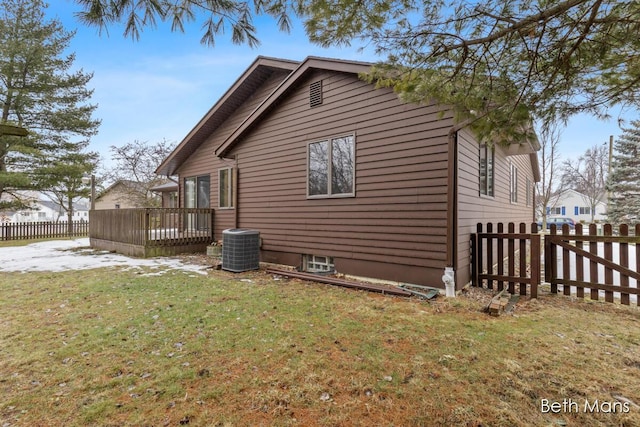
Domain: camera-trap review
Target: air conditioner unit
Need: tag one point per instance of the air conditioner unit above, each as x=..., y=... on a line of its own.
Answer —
x=240, y=249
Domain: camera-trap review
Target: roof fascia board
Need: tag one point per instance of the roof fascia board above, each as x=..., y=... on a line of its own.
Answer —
x=308, y=64
x=259, y=61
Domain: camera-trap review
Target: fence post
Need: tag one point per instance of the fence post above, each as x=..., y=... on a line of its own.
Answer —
x=608, y=255
x=480, y=254
x=511, y=255
x=474, y=267
x=566, y=262
x=535, y=260
x=593, y=266
x=550, y=259
x=500, y=243
x=637, y=248
x=579, y=261
x=624, y=261
x=490, y=255
x=523, y=258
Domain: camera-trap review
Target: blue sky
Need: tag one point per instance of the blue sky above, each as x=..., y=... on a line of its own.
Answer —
x=161, y=85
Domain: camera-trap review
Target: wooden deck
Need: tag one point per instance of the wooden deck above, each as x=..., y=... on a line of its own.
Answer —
x=149, y=232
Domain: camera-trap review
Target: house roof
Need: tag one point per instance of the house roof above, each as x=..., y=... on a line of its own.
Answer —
x=121, y=182
x=304, y=68
x=261, y=69
x=167, y=186
x=54, y=206
x=243, y=88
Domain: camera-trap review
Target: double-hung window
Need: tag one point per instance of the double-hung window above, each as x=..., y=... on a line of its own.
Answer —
x=584, y=210
x=487, y=155
x=225, y=188
x=514, y=184
x=331, y=167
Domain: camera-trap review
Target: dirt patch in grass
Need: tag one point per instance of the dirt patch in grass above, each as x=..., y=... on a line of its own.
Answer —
x=109, y=348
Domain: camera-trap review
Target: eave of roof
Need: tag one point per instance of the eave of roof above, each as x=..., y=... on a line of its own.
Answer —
x=310, y=63
x=241, y=89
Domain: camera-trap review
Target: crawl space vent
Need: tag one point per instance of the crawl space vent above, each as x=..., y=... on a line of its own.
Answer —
x=315, y=94
x=240, y=249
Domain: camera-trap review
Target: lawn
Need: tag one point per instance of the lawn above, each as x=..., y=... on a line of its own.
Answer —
x=108, y=347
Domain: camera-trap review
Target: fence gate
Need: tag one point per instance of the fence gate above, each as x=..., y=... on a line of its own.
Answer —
x=494, y=252
x=598, y=263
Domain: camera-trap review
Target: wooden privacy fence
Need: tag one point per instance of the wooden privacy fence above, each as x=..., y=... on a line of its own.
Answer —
x=607, y=263
x=494, y=255
x=42, y=230
x=151, y=231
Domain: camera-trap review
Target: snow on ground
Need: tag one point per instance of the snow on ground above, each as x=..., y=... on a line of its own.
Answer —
x=65, y=255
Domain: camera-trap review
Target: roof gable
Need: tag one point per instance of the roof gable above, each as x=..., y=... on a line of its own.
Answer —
x=310, y=63
x=243, y=88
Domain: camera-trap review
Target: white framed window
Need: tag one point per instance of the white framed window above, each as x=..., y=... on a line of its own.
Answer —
x=318, y=264
x=225, y=188
x=529, y=195
x=585, y=210
x=487, y=161
x=514, y=183
x=331, y=167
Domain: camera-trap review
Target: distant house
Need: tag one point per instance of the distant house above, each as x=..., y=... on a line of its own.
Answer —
x=125, y=194
x=46, y=210
x=335, y=173
x=577, y=206
x=168, y=192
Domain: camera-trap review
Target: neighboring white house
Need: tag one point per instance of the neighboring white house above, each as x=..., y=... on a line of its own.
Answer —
x=575, y=205
x=46, y=210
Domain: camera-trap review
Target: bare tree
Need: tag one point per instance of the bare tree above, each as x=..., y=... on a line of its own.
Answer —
x=550, y=184
x=135, y=165
x=588, y=175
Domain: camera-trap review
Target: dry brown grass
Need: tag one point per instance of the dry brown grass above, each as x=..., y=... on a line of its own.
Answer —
x=111, y=348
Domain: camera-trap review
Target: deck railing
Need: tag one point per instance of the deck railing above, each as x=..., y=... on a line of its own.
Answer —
x=151, y=227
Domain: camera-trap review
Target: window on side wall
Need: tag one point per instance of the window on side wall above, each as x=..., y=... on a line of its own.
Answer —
x=319, y=264
x=514, y=183
x=331, y=167
x=225, y=188
x=487, y=160
x=529, y=189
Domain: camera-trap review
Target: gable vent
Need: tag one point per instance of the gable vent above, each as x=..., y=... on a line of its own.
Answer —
x=315, y=94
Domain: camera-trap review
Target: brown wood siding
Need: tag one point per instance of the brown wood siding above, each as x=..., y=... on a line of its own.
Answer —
x=473, y=208
x=396, y=224
x=204, y=161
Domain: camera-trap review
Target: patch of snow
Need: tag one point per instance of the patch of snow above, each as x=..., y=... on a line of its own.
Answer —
x=66, y=255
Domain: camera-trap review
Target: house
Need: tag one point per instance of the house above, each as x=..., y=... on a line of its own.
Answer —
x=124, y=194
x=168, y=192
x=335, y=173
x=47, y=210
x=577, y=206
